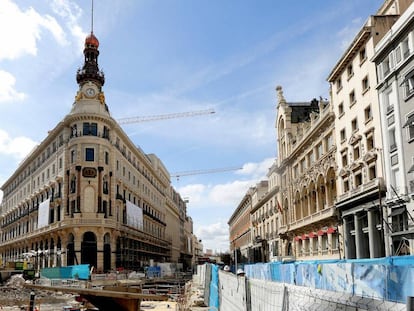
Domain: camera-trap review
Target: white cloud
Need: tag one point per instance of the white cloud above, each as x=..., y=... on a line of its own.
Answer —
x=223, y=199
x=17, y=147
x=7, y=91
x=24, y=30
x=229, y=194
x=194, y=192
x=214, y=236
x=70, y=12
x=257, y=170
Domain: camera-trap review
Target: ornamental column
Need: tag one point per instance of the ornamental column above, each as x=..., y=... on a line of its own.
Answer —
x=358, y=236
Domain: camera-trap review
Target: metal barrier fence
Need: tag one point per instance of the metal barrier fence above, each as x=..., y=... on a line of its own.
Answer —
x=232, y=292
x=266, y=296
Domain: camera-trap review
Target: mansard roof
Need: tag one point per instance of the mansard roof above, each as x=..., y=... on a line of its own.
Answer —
x=301, y=110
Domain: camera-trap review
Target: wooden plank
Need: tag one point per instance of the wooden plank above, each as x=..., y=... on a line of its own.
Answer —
x=99, y=292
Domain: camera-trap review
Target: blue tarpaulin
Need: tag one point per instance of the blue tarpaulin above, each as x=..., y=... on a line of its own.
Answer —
x=80, y=272
x=214, y=290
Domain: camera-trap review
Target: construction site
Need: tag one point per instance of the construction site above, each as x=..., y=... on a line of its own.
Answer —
x=74, y=288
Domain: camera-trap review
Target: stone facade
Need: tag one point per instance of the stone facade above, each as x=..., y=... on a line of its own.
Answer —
x=240, y=226
x=307, y=172
x=395, y=66
x=361, y=185
x=262, y=220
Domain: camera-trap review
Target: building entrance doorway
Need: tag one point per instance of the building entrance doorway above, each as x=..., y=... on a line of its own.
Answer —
x=70, y=258
x=89, y=249
x=107, y=253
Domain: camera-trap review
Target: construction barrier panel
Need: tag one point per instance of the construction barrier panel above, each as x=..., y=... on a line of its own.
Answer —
x=207, y=282
x=266, y=295
x=249, y=294
x=214, y=287
x=232, y=292
x=387, y=278
x=400, y=283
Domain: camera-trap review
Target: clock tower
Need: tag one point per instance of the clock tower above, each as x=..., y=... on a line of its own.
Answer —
x=90, y=98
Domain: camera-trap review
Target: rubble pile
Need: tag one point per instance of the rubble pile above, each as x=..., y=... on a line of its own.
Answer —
x=14, y=294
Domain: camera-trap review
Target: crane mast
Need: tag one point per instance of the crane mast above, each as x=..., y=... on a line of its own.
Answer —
x=208, y=171
x=138, y=119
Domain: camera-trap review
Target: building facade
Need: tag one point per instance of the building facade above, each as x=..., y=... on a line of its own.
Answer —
x=88, y=194
x=307, y=173
x=239, y=230
x=395, y=67
x=262, y=222
x=333, y=191
x=361, y=186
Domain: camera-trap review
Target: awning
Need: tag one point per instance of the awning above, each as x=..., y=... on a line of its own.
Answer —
x=305, y=236
x=331, y=230
x=398, y=211
x=312, y=235
x=321, y=232
x=410, y=121
x=297, y=238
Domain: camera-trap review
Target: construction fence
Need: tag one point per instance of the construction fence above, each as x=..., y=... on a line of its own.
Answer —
x=316, y=285
x=389, y=278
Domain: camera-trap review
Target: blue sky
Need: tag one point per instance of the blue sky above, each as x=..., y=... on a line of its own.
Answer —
x=170, y=56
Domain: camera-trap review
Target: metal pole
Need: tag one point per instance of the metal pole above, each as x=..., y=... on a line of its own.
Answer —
x=235, y=260
x=32, y=299
x=410, y=303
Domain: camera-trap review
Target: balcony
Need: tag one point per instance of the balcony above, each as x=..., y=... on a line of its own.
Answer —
x=316, y=217
x=362, y=190
x=283, y=230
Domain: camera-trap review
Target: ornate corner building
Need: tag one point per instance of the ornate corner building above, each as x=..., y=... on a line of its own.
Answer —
x=88, y=194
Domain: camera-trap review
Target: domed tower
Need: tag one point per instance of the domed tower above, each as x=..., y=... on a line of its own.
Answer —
x=90, y=98
x=90, y=71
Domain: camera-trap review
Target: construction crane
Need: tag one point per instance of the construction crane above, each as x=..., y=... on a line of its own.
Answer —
x=165, y=116
x=208, y=171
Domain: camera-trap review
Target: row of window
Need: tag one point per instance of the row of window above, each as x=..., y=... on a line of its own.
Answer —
x=89, y=129
x=350, y=71
x=357, y=178
x=30, y=225
x=395, y=57
x=311, y=246
x=313, y=155
x=31, y=168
